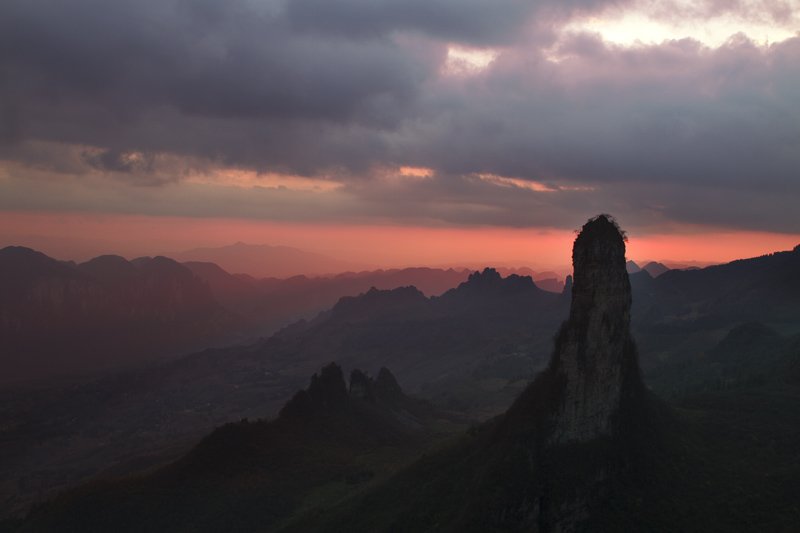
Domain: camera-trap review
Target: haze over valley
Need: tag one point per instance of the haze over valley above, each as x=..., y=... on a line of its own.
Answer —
x=467, y=345
x=333, y=265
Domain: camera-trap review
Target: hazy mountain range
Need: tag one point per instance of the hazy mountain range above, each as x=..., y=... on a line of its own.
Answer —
x=66, y=318
x=334, y=460
x=470, y=350
x=62, y=317
x=653, y=268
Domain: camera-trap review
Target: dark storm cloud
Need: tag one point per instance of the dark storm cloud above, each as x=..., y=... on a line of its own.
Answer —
x=103, y=65
x=342, y=88
x=89, y=71
x=472, y=21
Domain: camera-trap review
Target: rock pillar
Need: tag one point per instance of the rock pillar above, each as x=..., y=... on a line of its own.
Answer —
x=594, y=351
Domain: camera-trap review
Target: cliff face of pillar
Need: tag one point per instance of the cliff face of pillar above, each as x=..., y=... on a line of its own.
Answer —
x=594, y=352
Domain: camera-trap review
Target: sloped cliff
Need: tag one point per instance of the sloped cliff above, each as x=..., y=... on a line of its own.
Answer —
x=250, y=475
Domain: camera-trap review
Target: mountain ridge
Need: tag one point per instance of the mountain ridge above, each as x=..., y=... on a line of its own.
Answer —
x=643, y=283
x=59, y=318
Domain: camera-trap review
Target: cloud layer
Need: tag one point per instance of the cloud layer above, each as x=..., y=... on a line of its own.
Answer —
x=104, y=98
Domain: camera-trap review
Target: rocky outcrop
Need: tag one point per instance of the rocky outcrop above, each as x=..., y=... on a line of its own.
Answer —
x=594, y=352
x=328, y=391
x=361, y=386
x=384, y=388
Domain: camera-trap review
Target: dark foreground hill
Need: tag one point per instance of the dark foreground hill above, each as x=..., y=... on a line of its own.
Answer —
x=683, y=313
x=751, y=354
x=328, y=441
x=722, y=461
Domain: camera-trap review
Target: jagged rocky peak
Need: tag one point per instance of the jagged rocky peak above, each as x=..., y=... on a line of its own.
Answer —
x=384, y=388
x=594, y=351
x=488, y=277
x=328, y=387
x=361, y=386
x=327, y=390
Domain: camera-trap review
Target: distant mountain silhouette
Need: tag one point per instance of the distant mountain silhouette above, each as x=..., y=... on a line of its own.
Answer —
x=488, y=292
x=264, y=261
x=271, y=303
x=546, y=280
x=655, y=269
x=487, y=327
x=235, y=293
x=21, y=267
x=632, y=267
x=770, y=283
x=103, y=313
x=378, y=304
x=550, y=284
x=110, y=269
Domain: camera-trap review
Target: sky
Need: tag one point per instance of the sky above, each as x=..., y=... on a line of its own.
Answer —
x=400, y=132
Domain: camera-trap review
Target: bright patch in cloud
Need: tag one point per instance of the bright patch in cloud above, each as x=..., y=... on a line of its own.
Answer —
x=516, y=182
x=655, y=24
x=465, y=61
x=250, y=178
x=530, y=185
x=417, y=172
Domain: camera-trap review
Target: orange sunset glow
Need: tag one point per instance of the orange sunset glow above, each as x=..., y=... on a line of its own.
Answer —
x=79, y=237
x=486, y=140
